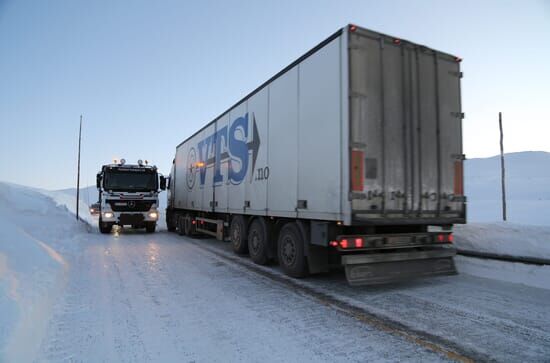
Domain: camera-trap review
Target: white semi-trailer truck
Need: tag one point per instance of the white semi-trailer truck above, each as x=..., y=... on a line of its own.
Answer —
x=350, y=156
x=128, y=195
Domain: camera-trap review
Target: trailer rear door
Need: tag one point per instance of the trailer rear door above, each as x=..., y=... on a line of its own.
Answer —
x=405, y=131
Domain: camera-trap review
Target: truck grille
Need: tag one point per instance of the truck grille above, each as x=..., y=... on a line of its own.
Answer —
x=130, y=205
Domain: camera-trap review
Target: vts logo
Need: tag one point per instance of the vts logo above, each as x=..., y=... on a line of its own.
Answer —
x=229, y=144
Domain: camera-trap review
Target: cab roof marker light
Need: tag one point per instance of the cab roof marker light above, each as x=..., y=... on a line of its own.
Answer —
x=352, y=28
x=397, y=41
x=458, y=59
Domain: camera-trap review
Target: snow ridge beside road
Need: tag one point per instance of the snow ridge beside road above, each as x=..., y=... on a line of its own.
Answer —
x=34, y=237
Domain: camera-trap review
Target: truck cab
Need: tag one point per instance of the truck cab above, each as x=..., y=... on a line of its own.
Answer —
x=128, y=195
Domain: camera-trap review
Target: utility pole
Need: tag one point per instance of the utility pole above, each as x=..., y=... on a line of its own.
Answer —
x=502, y=167
x=78, y=170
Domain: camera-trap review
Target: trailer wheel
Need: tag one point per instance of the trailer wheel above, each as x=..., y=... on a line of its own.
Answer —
x=237, y=234
x=170, y=225
x=290, y=251
x=258, y=241
x=105, y=227
x=181, y=225
x=188, y=226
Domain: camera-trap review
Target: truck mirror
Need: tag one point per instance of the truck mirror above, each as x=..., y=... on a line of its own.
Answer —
x=162, y=182
x=98, y=181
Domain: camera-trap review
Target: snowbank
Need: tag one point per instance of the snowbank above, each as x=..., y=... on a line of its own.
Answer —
x=509, y=239
x=67, y=199
x=33, y=241
x=527, y=188
x=519, y=273
x=504, y=239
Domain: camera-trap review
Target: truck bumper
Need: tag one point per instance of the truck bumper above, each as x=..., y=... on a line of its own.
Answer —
x=128, y=218
x=379, y=268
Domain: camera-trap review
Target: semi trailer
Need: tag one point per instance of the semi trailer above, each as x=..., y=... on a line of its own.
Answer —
x=350, y=156
x=128, y=195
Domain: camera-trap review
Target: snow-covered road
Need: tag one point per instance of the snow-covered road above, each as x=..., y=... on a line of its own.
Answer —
x=132, y=296
x=137, y=297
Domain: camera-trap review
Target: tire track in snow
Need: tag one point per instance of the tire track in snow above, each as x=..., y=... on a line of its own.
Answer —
x=434, y=343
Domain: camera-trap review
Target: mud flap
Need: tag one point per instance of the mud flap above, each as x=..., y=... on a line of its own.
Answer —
x=380, y=268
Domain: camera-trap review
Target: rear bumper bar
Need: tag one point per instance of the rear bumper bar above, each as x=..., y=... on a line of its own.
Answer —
x=379, y=268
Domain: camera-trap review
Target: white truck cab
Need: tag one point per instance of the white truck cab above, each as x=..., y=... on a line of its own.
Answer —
x=128, y=195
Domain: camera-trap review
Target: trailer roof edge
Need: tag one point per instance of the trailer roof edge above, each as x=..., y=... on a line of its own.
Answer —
x=277, y=75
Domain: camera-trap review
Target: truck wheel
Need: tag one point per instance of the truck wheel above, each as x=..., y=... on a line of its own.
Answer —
x=170, y=225
x=237, y=234
x=105, y=227
x=258, y=241
x=290, y=251
x=188, y=226
x=150, y=227
x=180, y=225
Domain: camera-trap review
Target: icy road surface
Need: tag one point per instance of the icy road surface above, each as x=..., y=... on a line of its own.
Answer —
x=67, y=294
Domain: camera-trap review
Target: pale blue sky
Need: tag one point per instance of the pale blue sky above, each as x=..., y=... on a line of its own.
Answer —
x=147, y=74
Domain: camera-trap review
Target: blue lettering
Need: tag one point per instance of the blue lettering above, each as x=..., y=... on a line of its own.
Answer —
x=220, y=136
x=203, y=147
x=238, y=150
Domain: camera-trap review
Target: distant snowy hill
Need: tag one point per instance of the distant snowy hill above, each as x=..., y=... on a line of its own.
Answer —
x=527, y=188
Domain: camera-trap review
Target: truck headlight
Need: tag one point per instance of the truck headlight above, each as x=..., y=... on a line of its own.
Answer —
x=108, y=215
x=153, y=215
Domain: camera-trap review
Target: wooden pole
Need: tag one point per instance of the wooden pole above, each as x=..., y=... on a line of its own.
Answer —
x=78, y=169
x=502, y=167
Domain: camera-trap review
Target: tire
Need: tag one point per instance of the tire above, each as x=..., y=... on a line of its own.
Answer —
x=258, y=242
x=188, y=226
x=290, y=251
x=170, y=225
x=180, y=225
x=150, y=227
x=105, y=227
x=238, y=235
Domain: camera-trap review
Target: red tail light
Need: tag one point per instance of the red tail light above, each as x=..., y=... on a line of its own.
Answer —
x=358, y=243
x=193, y=222
x=352, y=28
x=440, y=238
x=333, y=243
x=450, y=237
x=344, y=243
x=397, y=41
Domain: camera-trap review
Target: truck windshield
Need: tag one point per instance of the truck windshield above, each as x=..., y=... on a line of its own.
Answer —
x=137, y=180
